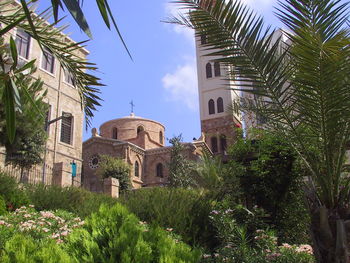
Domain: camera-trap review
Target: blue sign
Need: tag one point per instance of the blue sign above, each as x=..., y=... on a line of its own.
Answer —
x=74, y=169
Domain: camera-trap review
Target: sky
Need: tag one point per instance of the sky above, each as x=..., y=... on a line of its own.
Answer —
x=161, y=80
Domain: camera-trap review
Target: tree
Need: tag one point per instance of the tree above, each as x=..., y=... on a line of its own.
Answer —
x=180, y=168
x=116, y=168
x=301, y=88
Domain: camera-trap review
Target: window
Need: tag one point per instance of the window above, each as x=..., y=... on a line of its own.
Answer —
x=160, y=170
x=211, y=106
x=260, y=119
x=217, y=71
x=220, y=105
x=23, y=43
x=223, y=143
x=48, y=61
x=47, y=118
x=140, y=129
x=203, y=39
x=66, y=128
x=208, y=71
x=161, y=137
x=214, y=144
x=137, y=169
x=115, y=133
x=68, y=77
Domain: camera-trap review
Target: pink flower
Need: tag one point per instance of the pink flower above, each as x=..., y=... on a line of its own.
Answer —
x=64, y=233
x=46, y=230
x=2, y=222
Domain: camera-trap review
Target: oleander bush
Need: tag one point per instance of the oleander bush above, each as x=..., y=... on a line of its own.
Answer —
x=11, y=192
x=186, y=211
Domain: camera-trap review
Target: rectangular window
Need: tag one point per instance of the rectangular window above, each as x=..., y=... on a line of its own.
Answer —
x=66, y=128
x=68, y=77
x=48, y=61
x=22, y=43
x=47, y=118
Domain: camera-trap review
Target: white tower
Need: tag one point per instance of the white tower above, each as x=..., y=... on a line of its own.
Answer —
x=215, y=99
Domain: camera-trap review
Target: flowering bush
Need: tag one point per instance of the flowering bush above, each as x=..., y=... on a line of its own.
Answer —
x=39, y=225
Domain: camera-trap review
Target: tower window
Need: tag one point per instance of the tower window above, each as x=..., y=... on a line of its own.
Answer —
x=217, y=71
x=159, y=170
x=140, y=129
x=208, y=71
x=137, y=169
x=214, y=144
x=223, y=143
x=220, y=105
x=66, y=128
x=115, y=133
x=161, y=137
x=23, y=43
x=211, y=106
x=203, y=39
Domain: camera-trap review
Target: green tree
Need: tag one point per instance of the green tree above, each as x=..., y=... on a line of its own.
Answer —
x=116, y=168
x=180, y=168
x=302, y=88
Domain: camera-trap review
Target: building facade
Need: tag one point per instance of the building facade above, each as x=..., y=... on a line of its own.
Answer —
x=64, y=144
x=140, y=143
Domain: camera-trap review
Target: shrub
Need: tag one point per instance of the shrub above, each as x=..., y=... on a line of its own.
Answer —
x=115, y=235
x=9, y=189
x=75, y=200
x=184, y=210
x=3, y=209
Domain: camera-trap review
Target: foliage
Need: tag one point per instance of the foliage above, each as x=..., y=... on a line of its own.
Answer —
x=3, y=209
x=300, y=87
x=208, y=173
x=28, y=145
x=38, y=225
x=25, y=249
x=270, y=177
x=115, y=235
x=72, y=199
x=116, y=168
x=180, y=168
x=183, y=210
x=9, y=190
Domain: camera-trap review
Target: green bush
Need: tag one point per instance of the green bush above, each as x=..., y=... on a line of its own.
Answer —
x=185, y=211
x=75, y=200
x=24, y=249
x=116, y=235
x=3, y=209
x=9, y=189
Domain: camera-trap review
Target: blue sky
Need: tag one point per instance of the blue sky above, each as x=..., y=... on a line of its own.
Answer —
x=162, y=80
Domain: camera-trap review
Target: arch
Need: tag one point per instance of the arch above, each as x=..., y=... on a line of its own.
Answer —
x=159, y=170
x=220, y=104
x=140, y=129
x=214, y=144
x=161, y=141
x=223, y=142
x=217, y=70
x=137, y=169
x=208, y=70
x=203, y=39
x=115, y=133
x=211, y=106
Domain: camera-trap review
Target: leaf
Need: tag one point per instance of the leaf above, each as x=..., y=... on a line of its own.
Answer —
x=26, y=66
x=78, y=15
x=12, y=25
x=10, y=113
x=14, y=54
x=102, y=7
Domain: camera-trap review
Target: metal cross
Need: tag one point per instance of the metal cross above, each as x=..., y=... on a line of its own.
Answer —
x=132, y=106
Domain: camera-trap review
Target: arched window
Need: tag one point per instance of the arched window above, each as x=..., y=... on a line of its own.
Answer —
x=217, y=71
x=161, y=137
x=115, y=133
x=220, y=104
x=208, y=70
x=211, y=106
x=214, y=144
x=203, y=39
x=223, y=143
x=159, y=170
x=137, y=169
x=140, y=129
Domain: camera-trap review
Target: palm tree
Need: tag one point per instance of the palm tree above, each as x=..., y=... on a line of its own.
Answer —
x=302, y=88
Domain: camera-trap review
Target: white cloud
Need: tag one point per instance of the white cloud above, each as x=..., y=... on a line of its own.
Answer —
x=181, y=85
x=172, y=10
